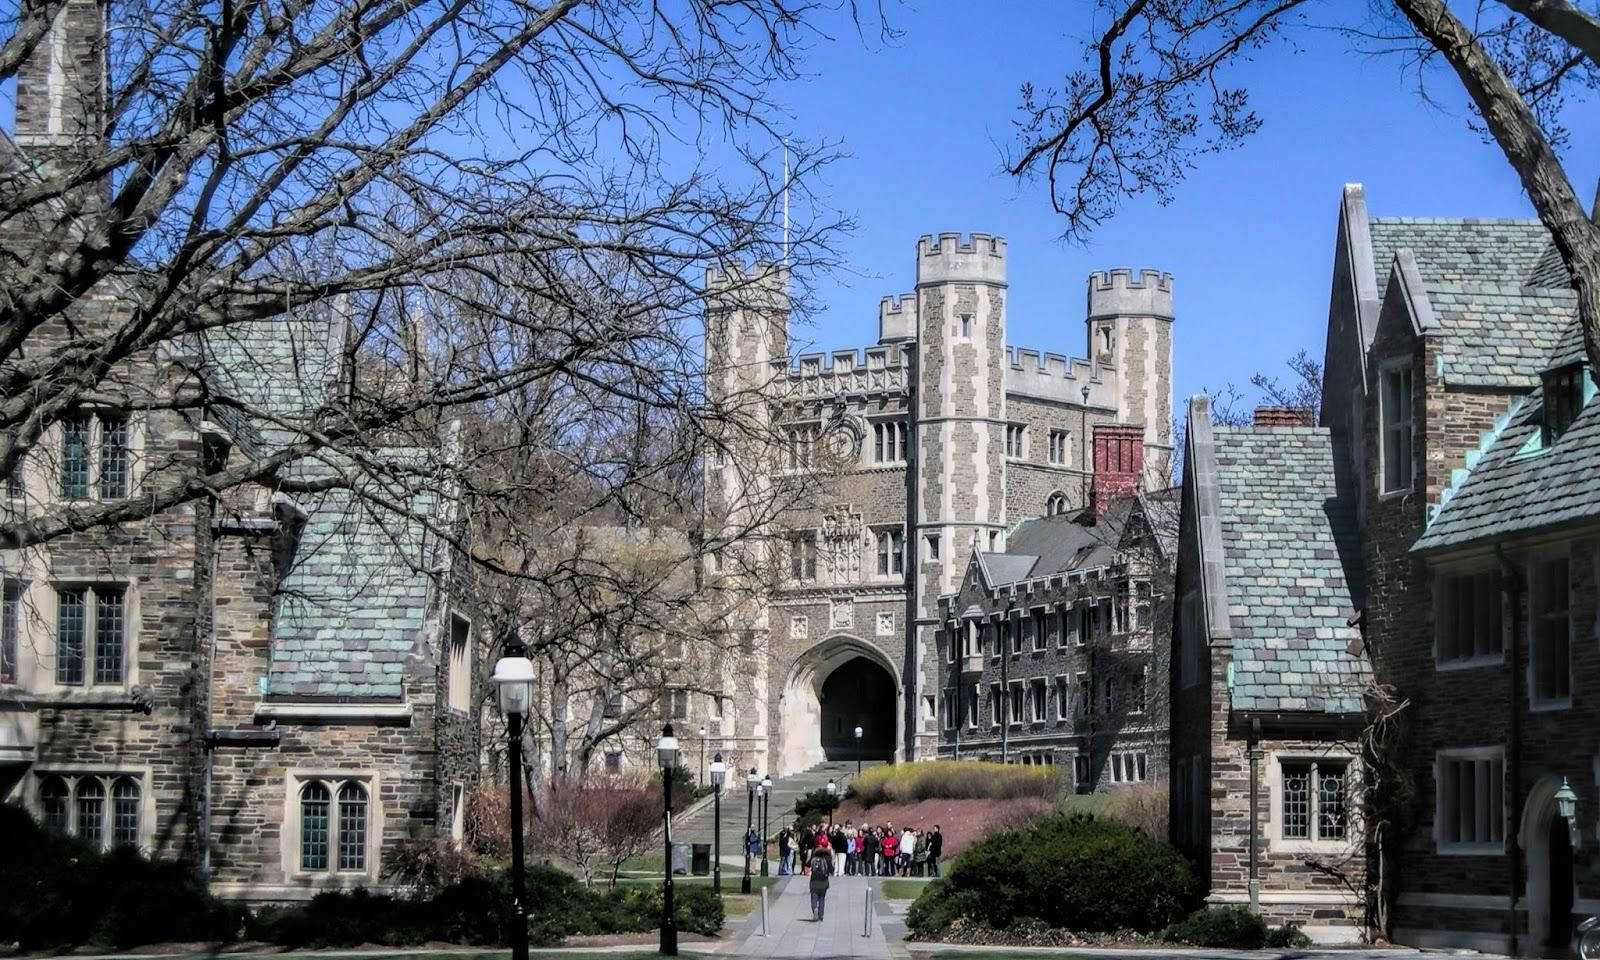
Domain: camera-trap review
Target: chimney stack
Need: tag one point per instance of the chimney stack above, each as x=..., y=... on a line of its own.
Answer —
x=1270, y=417
x=1118, y=463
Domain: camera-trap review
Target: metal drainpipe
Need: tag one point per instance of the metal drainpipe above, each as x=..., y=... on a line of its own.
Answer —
x=1005, y=683
x=210, y=681
x=913, y=553
x=1254, y=881
x=1510, y=589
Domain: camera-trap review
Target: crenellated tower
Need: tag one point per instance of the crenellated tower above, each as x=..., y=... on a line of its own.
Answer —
x=1129, y=328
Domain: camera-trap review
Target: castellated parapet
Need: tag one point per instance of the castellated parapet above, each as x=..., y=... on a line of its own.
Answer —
x=897, y=318
x=1121, y=293
x=1052, y=376
x=948, y=260
x=873, y=370
x=763, y=285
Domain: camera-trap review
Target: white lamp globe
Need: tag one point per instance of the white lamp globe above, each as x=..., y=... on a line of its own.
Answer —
x=719, y=771
x=513, y=684
x=667, y=748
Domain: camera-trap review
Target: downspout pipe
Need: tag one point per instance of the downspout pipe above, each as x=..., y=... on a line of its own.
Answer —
x=1511, y=587
x=1254, y=749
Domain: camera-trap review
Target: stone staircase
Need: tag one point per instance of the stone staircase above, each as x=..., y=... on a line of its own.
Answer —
x=696, y=825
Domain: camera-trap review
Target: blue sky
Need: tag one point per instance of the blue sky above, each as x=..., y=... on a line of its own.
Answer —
x=1249, y=239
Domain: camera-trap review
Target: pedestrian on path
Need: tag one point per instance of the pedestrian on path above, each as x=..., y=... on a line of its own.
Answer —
x=785, y=851
x=821, y=869
x=935, y=850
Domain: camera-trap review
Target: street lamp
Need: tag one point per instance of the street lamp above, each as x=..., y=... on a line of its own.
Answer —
x=719, y=773
x=752, y=782
x=513, y=683
x=859, y=731
x=702, y=770
x=1567, y=806
x=766, y=804
x=833, y=793
x=667, y=752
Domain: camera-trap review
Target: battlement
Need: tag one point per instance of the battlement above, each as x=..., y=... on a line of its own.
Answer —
x=1114, y=293
x=763, y=285
x=897, y=318
x=842, y=372
x=1052, y=376
x=947, y=260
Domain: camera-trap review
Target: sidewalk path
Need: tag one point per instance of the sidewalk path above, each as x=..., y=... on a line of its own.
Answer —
x=792, y=933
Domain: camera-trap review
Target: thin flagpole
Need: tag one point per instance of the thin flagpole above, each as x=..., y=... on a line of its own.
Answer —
x=786, y=202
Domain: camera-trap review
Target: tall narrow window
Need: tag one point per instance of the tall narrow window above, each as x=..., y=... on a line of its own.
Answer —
x=10, y=627
x=458, y=680
x=1467, y=617
x=53, y=798
x=966, y=324
x=314, y=827
x=125, y=812
x=1552, y=632
x=1085, y=694
x=113, y=459
x=92, y=811
x=352, y=827
x=1060, y=447
x=803, y=556
x=108, y=634
x=70, y=626
x=75, y=457
x=1470, y=800
x=891, y=552
x=1016, y=439
x=1563, y=399
x=1395, y=400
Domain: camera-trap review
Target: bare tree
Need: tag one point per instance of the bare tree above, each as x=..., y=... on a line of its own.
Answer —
x=1154, y=95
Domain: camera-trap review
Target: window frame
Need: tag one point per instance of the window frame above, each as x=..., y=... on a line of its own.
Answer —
x=1494, y=755
x=1447, y=585
x=89, y=675
x=108, y=777
x=1313, y=763
x=1536, y=573
x=97, y=465
x=890, y=551
x=1060, y=447
x=458, y=664
x=334, y=781
x=1406, y=483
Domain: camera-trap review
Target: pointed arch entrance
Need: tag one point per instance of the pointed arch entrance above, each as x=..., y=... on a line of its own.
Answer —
x=1552, y=884
x=835, y=686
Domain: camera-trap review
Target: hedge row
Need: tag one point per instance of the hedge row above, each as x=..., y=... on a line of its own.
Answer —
x=954, y=780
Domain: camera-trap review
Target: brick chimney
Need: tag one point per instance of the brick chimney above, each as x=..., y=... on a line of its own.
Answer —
x=1270, y=417
x=61, y=86
x=1118, y=463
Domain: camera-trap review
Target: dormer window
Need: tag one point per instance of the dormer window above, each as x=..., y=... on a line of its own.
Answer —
x=1564, y=390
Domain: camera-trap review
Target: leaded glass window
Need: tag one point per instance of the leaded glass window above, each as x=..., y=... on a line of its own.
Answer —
x=352, y=827
x=10, y=626
x=53, y=798
x=125, y=812
x=70, y=625
x=91, y=811
x=75, y=457
x=314, y=827
x=108, y=633
x=113, y=459
x=1313, y=800
x=1330, y=803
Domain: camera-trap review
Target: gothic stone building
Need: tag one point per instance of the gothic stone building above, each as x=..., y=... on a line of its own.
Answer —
x=921, y=449
x=1055, y=651
x=266, y=685
x=1462, y=404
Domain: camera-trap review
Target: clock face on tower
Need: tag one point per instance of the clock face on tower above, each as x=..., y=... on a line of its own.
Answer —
x=841, y=444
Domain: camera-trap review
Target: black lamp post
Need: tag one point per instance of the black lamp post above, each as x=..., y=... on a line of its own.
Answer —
x=701, y=772
x=833, y=800
x=751, y=782
x=859, y=732
x=667, y=752
x=513, y=682
x=719, y=773
x=766, y=804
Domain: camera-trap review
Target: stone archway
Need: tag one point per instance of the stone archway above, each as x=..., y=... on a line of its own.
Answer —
x=819, y=707
x=1551, y=882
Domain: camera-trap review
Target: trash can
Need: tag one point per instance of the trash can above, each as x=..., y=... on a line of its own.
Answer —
x=680, y=858
x=700, y=863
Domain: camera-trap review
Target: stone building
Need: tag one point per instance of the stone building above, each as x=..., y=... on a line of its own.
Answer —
x=1461, y=404
x=1268, y=675
x=892, y=465
x=270, y=684
x=1055, y=650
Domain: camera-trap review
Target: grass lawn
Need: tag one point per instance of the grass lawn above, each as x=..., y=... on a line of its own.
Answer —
x=903, y=888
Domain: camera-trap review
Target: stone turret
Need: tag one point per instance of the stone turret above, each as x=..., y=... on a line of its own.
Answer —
x=61, y=87
x=1129, y=328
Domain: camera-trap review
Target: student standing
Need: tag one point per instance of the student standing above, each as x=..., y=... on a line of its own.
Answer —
x=785, y=848
x=821, y=868
x=891, y=852
x=935, y=850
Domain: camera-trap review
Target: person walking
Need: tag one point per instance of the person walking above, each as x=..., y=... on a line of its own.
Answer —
x=821, y=868
x=808, y=842
x=935, y=850
x=785, y=849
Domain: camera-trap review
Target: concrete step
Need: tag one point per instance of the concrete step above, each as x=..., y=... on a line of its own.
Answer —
x=697, y=827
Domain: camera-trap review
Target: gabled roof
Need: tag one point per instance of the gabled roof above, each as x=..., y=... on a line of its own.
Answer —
x=351, y=606
x=1462, y=249
x=1499, y=334
x=1285, y=555
x=1505, y=491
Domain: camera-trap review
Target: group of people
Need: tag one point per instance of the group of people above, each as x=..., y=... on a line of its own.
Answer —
x=871, y=851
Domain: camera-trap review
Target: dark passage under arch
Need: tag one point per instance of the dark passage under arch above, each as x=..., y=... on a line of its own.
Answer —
x=859, y=693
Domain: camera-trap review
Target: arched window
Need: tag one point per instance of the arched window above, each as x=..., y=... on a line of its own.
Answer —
x=1055, y=504
x=314, y=827
x=53, y=797
x=125, y=812
x=92, y=811
x=352, y=827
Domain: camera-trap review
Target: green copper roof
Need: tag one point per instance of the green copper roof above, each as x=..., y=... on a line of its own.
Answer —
x=1291, y=555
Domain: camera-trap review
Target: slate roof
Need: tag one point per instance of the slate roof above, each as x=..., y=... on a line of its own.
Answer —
x=1499, y=334
x=280, y=366
x=1046, y=546
x=1461, y=249
x=1290, y=557
x=1502, y=493
x=351, y=607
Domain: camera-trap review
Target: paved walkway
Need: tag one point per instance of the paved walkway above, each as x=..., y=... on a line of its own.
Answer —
x=792, y=933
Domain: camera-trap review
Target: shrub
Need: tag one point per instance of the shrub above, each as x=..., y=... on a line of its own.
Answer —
x=424, y=867
x=1231, y=928
x=1287, y=936
x=954, y=780
x=61, y=892
x=487, y=821
x=816, y=805
x=1071, y=872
